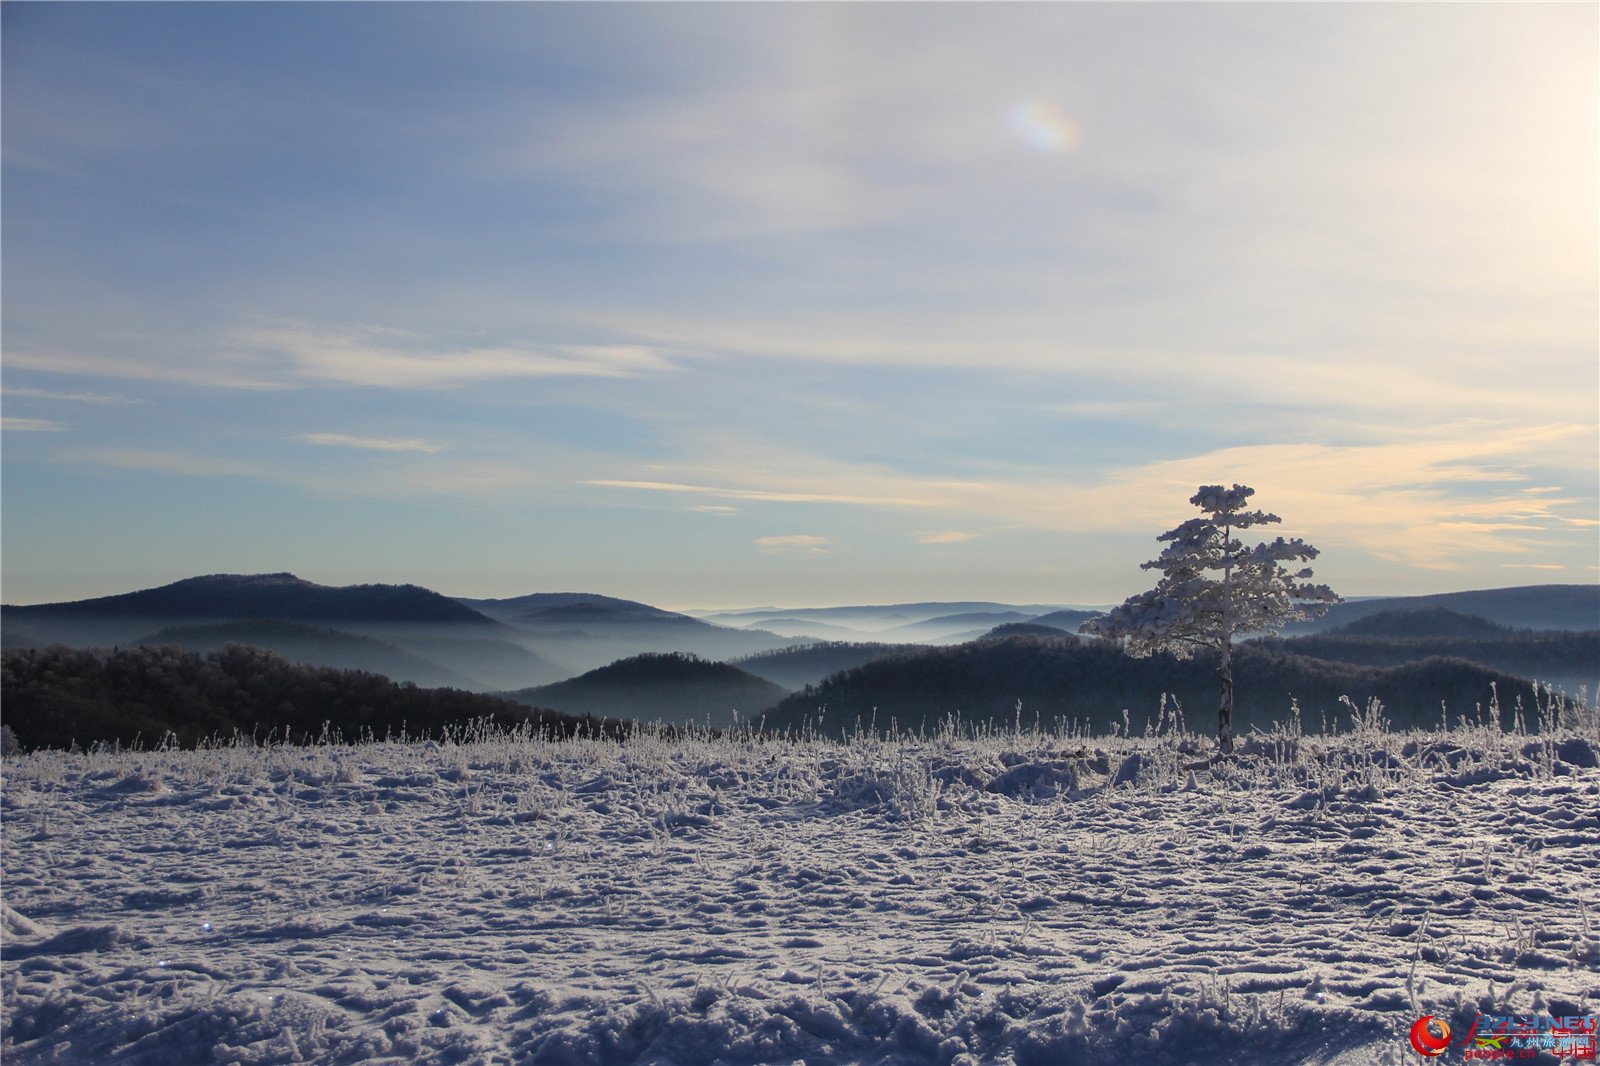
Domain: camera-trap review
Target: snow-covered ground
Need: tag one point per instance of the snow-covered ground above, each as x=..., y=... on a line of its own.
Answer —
x=1015, y=899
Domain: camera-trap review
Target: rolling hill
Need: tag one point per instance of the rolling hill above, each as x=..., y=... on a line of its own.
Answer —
x=674, y=688
x=1091, y=682
x=542, y=610
x=1563, y=658
x=807, y=664
x=1408, y=622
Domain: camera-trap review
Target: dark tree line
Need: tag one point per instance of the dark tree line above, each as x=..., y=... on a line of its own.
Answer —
x=56, y=697
x=1092, y=681
x=1525, y=653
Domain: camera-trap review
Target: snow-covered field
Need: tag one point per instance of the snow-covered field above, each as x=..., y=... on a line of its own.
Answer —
x=1015, y=899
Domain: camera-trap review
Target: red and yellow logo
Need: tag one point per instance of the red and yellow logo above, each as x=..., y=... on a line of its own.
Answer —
x=1430, y=1036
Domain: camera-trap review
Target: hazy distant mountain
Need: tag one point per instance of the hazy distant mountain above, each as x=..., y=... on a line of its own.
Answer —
x=587, y=630
x=807, y=627
x=1565, y=659
x=1027, y=629
x=876, y=619
x=272, y=596
x=563, y=609
x=226, y=597
x=1091, y=682
x=1407, y=622
x=950, y=628
x=1523, y=607
x=312, y=645
x=1069, y=619
x=673, y=688
x=16, y=637
x=808, y=664
x=495, y=663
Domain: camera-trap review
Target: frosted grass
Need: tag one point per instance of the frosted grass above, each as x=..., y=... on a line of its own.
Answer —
x=1026, y=894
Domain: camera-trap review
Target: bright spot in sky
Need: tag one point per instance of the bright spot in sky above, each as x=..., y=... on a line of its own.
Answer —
x=1045, y=126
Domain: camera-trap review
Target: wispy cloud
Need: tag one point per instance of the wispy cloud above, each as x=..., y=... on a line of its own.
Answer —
x=298, y=357
x=795, y=543
x=1435, y=503
x=391, y=359
x=218, y=372
x=1473, y=490
x=769, y=495
x=893, y=273
x=376, y=444
x=97, y=398
x=950, y=536
x=30, y=425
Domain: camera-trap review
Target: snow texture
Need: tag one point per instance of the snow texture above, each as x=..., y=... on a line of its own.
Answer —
x=1011, y=899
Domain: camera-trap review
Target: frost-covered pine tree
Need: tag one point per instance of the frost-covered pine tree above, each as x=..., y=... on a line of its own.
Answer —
x=1213, y=588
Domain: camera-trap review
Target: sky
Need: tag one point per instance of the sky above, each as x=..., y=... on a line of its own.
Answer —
x=715, y=305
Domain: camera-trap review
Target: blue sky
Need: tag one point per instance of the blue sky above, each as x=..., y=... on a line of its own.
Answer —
x=727, y=304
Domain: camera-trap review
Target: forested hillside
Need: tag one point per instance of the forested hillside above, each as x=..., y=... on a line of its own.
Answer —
x=1559, y=657
x=807, y=664
x=55, y=697
x=675, y=688
x=1092, y=682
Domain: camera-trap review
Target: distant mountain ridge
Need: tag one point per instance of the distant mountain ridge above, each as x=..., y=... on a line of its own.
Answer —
x=475, y=663
x=807, y=664
x=1523, y=607
x=283, y=595
x=1412, y=622
x=875, y=619
x=587, y=630
x=311, y=645
x=562, y=608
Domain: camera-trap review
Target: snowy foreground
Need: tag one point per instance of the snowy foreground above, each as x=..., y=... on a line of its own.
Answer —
x=1015, y=899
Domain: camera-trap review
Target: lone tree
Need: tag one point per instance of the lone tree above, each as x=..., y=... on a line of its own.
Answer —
x=1213, y=588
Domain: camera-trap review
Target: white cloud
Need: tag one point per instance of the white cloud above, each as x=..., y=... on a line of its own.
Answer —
x=30, y=425
x=947, y=537
x=389, y=359
x=771, y=495
x=377, y=444
x=97, y=398
x=301, y=356
x=1465, y=493
x=795, y=543
x=220, y=372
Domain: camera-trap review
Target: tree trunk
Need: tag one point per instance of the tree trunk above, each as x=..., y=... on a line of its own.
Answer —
x=1225, y=705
